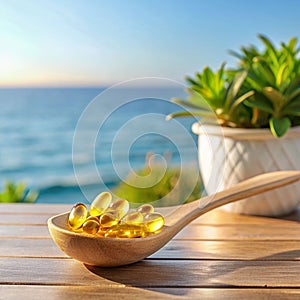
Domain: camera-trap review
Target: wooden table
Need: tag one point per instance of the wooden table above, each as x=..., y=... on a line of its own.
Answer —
x=219, y=256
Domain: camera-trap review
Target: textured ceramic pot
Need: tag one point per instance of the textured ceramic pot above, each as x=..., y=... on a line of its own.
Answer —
x=229, y=155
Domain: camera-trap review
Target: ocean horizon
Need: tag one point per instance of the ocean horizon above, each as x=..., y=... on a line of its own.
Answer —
x=37, y=131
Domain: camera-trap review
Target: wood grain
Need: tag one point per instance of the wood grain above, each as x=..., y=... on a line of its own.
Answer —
x=219, y=256
x=29, y=248
x=12, y=292
x=24, y=219
x=152, y=273
x=18, y=231
x=241, y=232
x=45, y=209
x=219, y=216
x=176, y=249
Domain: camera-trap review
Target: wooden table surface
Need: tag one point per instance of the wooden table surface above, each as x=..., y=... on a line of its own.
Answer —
x=220, y=255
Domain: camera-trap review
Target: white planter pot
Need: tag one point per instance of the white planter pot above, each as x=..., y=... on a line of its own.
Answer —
x=230, y=155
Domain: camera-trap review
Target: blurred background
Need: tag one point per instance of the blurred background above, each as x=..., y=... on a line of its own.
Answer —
x=57, y=56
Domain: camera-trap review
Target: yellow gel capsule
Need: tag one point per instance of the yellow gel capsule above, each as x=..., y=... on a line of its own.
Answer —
x=101, y=232
x=130, y=231
x=77, y=216
x=93, y=218
x=119, y=207
x=133, y=218
x=108, y=220
x=91, y=225
x=100, y=204
x=112, y=233
x=146, y=209
x=153, y=222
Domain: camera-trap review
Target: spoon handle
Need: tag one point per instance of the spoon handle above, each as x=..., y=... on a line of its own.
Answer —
x=244, y=189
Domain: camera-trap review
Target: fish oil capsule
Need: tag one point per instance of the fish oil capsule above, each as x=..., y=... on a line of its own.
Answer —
x=100, y=204
x=101, y=233
x=77, y=216
x=108, y=220
x=93, y=218
x=153, y=222
x=112, y=233
x=133, y=218
x=119, y=207
x=146, y=209
x=130, y=231
x=91, y=225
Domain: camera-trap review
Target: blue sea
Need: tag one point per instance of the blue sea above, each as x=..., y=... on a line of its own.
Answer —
x=109, y=135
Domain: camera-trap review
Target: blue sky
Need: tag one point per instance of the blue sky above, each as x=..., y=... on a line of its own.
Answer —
x=96, y=43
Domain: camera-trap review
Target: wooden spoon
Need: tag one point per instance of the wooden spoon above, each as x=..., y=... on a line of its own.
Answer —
x=109, y=252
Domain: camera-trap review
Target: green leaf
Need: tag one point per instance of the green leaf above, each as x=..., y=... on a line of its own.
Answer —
x=270, y=48
x=264, y=70
x=207, y=77
x=234, y=88
x=197, y=99
x=289, y=52
x=5, y=198
x=261, y=102
x=292, y=108
x=236, y=54
x=249, y=53
x=198, y=113
x=279, y=126
x=199, y=78
x=295, y=112
x=254, y=82
x=20, y=189
x=294, y=84
x=275, y=96
x=294, y=94
x=192, y=81
x=292, y=43
x=197, y=88
x=240, y=100
x=189, y=104
x=281, y=74
x=219, y=80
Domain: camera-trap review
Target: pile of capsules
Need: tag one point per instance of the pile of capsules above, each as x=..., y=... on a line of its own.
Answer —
x=113, y=219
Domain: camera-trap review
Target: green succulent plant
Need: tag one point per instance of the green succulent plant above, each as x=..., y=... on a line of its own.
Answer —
x=262, y=91
x=217, y=95
x=17, y=192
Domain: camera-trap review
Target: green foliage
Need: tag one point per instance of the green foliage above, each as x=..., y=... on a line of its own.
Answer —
x=262, y=91
x=17, y=193
x=166, y=184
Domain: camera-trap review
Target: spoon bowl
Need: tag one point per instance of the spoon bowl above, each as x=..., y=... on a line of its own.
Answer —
x=112, y=252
